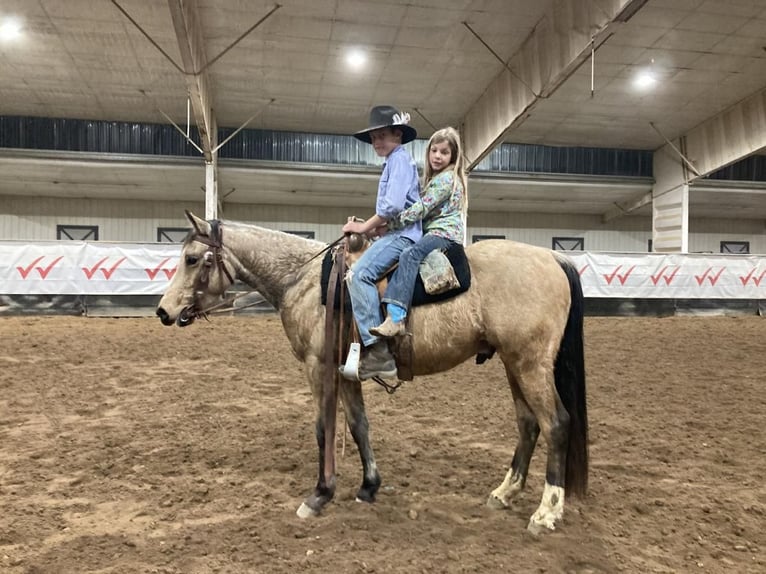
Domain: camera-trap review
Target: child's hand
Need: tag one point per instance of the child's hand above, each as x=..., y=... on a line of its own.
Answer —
x=353, y=227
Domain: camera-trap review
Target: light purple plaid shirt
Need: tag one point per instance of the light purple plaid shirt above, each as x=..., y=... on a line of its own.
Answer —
x=399, y=189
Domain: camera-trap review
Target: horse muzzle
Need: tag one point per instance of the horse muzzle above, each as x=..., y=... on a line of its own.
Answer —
x=164, y=317
x=185, y=318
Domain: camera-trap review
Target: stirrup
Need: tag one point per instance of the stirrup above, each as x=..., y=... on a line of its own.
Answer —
x=390, y=389
x=350, y=369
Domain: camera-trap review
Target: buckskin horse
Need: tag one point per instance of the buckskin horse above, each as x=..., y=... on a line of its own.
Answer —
x=525, y=303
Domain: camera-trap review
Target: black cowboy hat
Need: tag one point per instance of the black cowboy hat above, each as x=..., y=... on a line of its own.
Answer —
x=388, y=117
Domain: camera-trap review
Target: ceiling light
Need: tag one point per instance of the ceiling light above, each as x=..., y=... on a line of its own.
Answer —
x=644, y=80
x=10, y=28
x=356, y=59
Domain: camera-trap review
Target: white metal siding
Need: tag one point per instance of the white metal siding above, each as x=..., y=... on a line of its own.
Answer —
x=705, y=235
x=36, y=218
x=624, y=234
x=32, y=219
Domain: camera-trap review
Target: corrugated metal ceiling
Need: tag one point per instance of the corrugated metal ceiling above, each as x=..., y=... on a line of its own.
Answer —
x=84, y=59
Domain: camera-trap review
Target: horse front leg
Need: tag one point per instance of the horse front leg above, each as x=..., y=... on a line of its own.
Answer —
x=324, y=491
x=353, y=404
x=529, y=430
x=325, y=487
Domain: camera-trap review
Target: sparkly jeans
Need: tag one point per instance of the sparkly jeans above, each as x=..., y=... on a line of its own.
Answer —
x=402, y=284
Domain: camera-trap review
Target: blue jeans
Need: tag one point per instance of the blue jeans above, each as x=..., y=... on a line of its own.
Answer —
x=402, y=284
x=362, y=279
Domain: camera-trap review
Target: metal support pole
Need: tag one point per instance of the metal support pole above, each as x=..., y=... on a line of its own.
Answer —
x=211, y=189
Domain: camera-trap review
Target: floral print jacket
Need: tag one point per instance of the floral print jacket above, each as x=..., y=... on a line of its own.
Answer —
x=438, y=208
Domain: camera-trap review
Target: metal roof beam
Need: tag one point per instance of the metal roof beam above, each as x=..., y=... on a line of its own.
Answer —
x=732, y=135
x=186, y=20
x=559, y=44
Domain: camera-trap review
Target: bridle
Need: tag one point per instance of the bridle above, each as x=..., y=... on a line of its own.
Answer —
x=212, y=257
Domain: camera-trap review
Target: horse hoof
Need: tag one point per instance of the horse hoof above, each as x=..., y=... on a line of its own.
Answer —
x=364, y=495
x=495, y=503
x=305, y=511
x=537, y=528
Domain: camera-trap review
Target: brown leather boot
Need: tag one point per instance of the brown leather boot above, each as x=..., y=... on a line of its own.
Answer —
x=377, y=362
x=388, y=329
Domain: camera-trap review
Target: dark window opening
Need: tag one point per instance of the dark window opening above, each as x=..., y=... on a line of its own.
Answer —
x=77, y=232
x=739, y=247
x=172, y=234
x=476, y=238
x=568, y=244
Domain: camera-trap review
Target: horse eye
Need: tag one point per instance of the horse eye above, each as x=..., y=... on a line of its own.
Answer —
x=191, y=260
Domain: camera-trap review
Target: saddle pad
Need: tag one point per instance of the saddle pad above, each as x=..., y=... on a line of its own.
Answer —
x=456, y=255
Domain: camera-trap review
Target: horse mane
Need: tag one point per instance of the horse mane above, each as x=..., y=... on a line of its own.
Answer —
x=297, y=242
x=271, y=260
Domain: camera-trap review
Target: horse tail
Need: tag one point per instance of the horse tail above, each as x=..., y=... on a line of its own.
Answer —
x=569, y=375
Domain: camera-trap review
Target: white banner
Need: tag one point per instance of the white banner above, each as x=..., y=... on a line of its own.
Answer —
x=671, y=276
x=83, y=268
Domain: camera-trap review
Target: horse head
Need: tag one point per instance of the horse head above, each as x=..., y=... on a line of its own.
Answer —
x=201, y=278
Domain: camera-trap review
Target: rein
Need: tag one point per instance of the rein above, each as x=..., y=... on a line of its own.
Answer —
x=330, y=246
x=355, y=242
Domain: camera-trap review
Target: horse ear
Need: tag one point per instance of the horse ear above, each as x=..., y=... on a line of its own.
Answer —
x=201, y=226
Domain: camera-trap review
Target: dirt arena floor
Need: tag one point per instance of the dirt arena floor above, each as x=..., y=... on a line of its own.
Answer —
x=128, y=447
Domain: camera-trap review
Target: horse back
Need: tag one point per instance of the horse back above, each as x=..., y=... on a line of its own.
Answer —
x=518, y=303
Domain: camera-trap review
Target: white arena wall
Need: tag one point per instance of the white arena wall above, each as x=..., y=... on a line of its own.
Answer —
x=613, y=251
x=36, y=218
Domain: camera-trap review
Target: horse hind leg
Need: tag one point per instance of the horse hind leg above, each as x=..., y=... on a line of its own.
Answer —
x=537, y=386
x=516, y=477
x=554, y=425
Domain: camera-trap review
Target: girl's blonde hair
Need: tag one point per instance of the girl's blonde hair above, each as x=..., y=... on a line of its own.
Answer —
x=452, y=137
